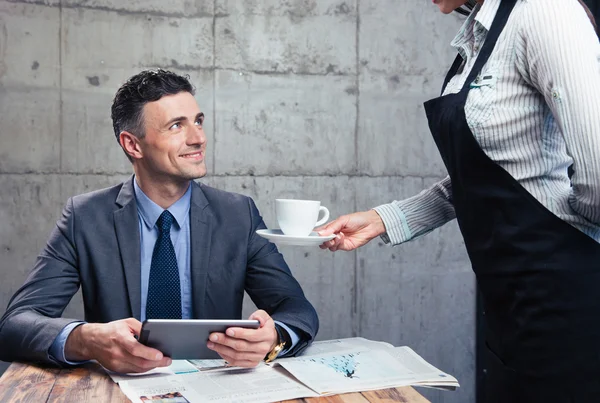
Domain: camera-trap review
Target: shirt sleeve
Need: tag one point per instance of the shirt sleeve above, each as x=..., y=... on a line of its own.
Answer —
x=562, y=52
x=57, y=349
x=293, y=336
x=410, y=218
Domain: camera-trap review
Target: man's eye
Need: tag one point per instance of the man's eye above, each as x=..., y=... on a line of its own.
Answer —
x=199, y=121
x=175, y=126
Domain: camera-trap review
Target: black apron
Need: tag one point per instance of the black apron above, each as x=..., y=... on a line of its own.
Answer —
x=539, y=276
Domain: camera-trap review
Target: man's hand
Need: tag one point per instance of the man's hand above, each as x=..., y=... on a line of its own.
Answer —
x=352, y=230
x=246, y=347
x=114, y=346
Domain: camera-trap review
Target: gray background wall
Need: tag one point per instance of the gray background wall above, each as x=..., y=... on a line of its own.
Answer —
x=304, y=98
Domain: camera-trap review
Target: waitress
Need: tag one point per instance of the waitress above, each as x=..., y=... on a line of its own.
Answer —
x=518, y=128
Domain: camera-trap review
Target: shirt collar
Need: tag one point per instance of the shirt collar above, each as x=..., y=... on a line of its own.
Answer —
x=486, y=13
x=476, y=25
x=150, y=211
x=465, y=33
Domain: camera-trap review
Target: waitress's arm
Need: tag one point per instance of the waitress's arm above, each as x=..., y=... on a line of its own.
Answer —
x=407, y=219
x=563, y=55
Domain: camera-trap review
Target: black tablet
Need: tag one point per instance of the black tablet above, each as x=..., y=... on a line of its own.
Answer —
x=187, y=338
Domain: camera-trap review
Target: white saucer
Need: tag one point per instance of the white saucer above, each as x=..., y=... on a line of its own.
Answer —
x=278, y=237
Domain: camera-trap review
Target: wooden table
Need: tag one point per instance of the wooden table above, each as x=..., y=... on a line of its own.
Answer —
x=89, y=383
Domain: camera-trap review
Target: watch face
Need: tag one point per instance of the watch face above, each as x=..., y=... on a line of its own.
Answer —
x=274, y=353
x=271, y=355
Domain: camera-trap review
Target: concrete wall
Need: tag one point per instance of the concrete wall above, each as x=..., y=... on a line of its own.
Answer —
x=304, y=98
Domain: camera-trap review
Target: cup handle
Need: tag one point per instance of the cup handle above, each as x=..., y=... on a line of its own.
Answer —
x=325, y=216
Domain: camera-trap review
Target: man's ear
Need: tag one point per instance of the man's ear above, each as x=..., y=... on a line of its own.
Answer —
x=131, y=144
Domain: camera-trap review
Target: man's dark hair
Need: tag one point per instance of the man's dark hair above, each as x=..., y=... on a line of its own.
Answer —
x=127, y=110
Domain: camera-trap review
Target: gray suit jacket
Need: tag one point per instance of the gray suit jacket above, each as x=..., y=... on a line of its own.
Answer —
x=96, y=245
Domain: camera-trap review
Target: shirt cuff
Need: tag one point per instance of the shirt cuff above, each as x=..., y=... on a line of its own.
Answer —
x=293, y=336
x=57, y=349
x=396, y=225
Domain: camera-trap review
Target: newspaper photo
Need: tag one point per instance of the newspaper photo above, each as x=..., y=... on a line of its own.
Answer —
x=355, y=365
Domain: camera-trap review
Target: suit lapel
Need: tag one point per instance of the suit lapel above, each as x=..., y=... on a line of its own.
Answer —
x=200, y=230
x=128, y=237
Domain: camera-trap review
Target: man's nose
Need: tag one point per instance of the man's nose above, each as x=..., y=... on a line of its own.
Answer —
x=196, y=136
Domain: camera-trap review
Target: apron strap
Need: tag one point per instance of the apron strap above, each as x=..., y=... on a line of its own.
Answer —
x=506, y=6
x=452, y=72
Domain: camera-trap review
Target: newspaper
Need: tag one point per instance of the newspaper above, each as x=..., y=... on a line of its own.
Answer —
x=325, y=368
x=261, y=384
x=361, y=369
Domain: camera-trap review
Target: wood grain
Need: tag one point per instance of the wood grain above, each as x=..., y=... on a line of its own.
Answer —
x=89, y=383
x=27, y=383
x=405, y=395
x=344, y=398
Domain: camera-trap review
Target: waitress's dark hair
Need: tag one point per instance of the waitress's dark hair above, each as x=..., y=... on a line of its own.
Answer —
x=468, y=6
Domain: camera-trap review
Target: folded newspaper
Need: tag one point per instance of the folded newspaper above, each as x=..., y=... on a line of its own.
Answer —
x=325, y=368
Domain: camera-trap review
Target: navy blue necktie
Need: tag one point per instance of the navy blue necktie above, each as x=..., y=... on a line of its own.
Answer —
x=164, y=292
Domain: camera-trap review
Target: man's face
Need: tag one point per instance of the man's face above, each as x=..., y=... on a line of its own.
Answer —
x=175, y=144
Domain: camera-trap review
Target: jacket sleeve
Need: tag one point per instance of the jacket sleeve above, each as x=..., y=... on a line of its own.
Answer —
x=32, y=320
x=272, y=287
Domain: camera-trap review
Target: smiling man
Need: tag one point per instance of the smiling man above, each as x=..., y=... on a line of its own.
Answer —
x=159, y=245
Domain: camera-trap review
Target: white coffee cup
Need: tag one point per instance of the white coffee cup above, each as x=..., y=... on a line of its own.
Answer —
x=299, y=217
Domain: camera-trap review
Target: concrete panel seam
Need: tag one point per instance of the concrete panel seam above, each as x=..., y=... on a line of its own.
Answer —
x=345, y=175
x=288, y=72
x=285, y=72
x=60, y=87
x=357, y=317
x=116, y=10
x=214, y=92
x=356, y=121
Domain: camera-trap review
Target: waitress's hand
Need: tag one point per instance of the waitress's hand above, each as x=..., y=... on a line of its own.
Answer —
x=352, y=230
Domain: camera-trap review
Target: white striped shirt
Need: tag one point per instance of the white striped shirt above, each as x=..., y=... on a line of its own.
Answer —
x=535, y=113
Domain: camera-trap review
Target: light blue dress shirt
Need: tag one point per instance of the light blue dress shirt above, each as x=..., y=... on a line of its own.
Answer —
x=148, y=213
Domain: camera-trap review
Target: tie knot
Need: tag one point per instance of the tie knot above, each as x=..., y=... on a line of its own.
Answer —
x=164, y=221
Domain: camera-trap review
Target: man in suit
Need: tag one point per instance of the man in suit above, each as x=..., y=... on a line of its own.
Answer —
x=158, y=245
